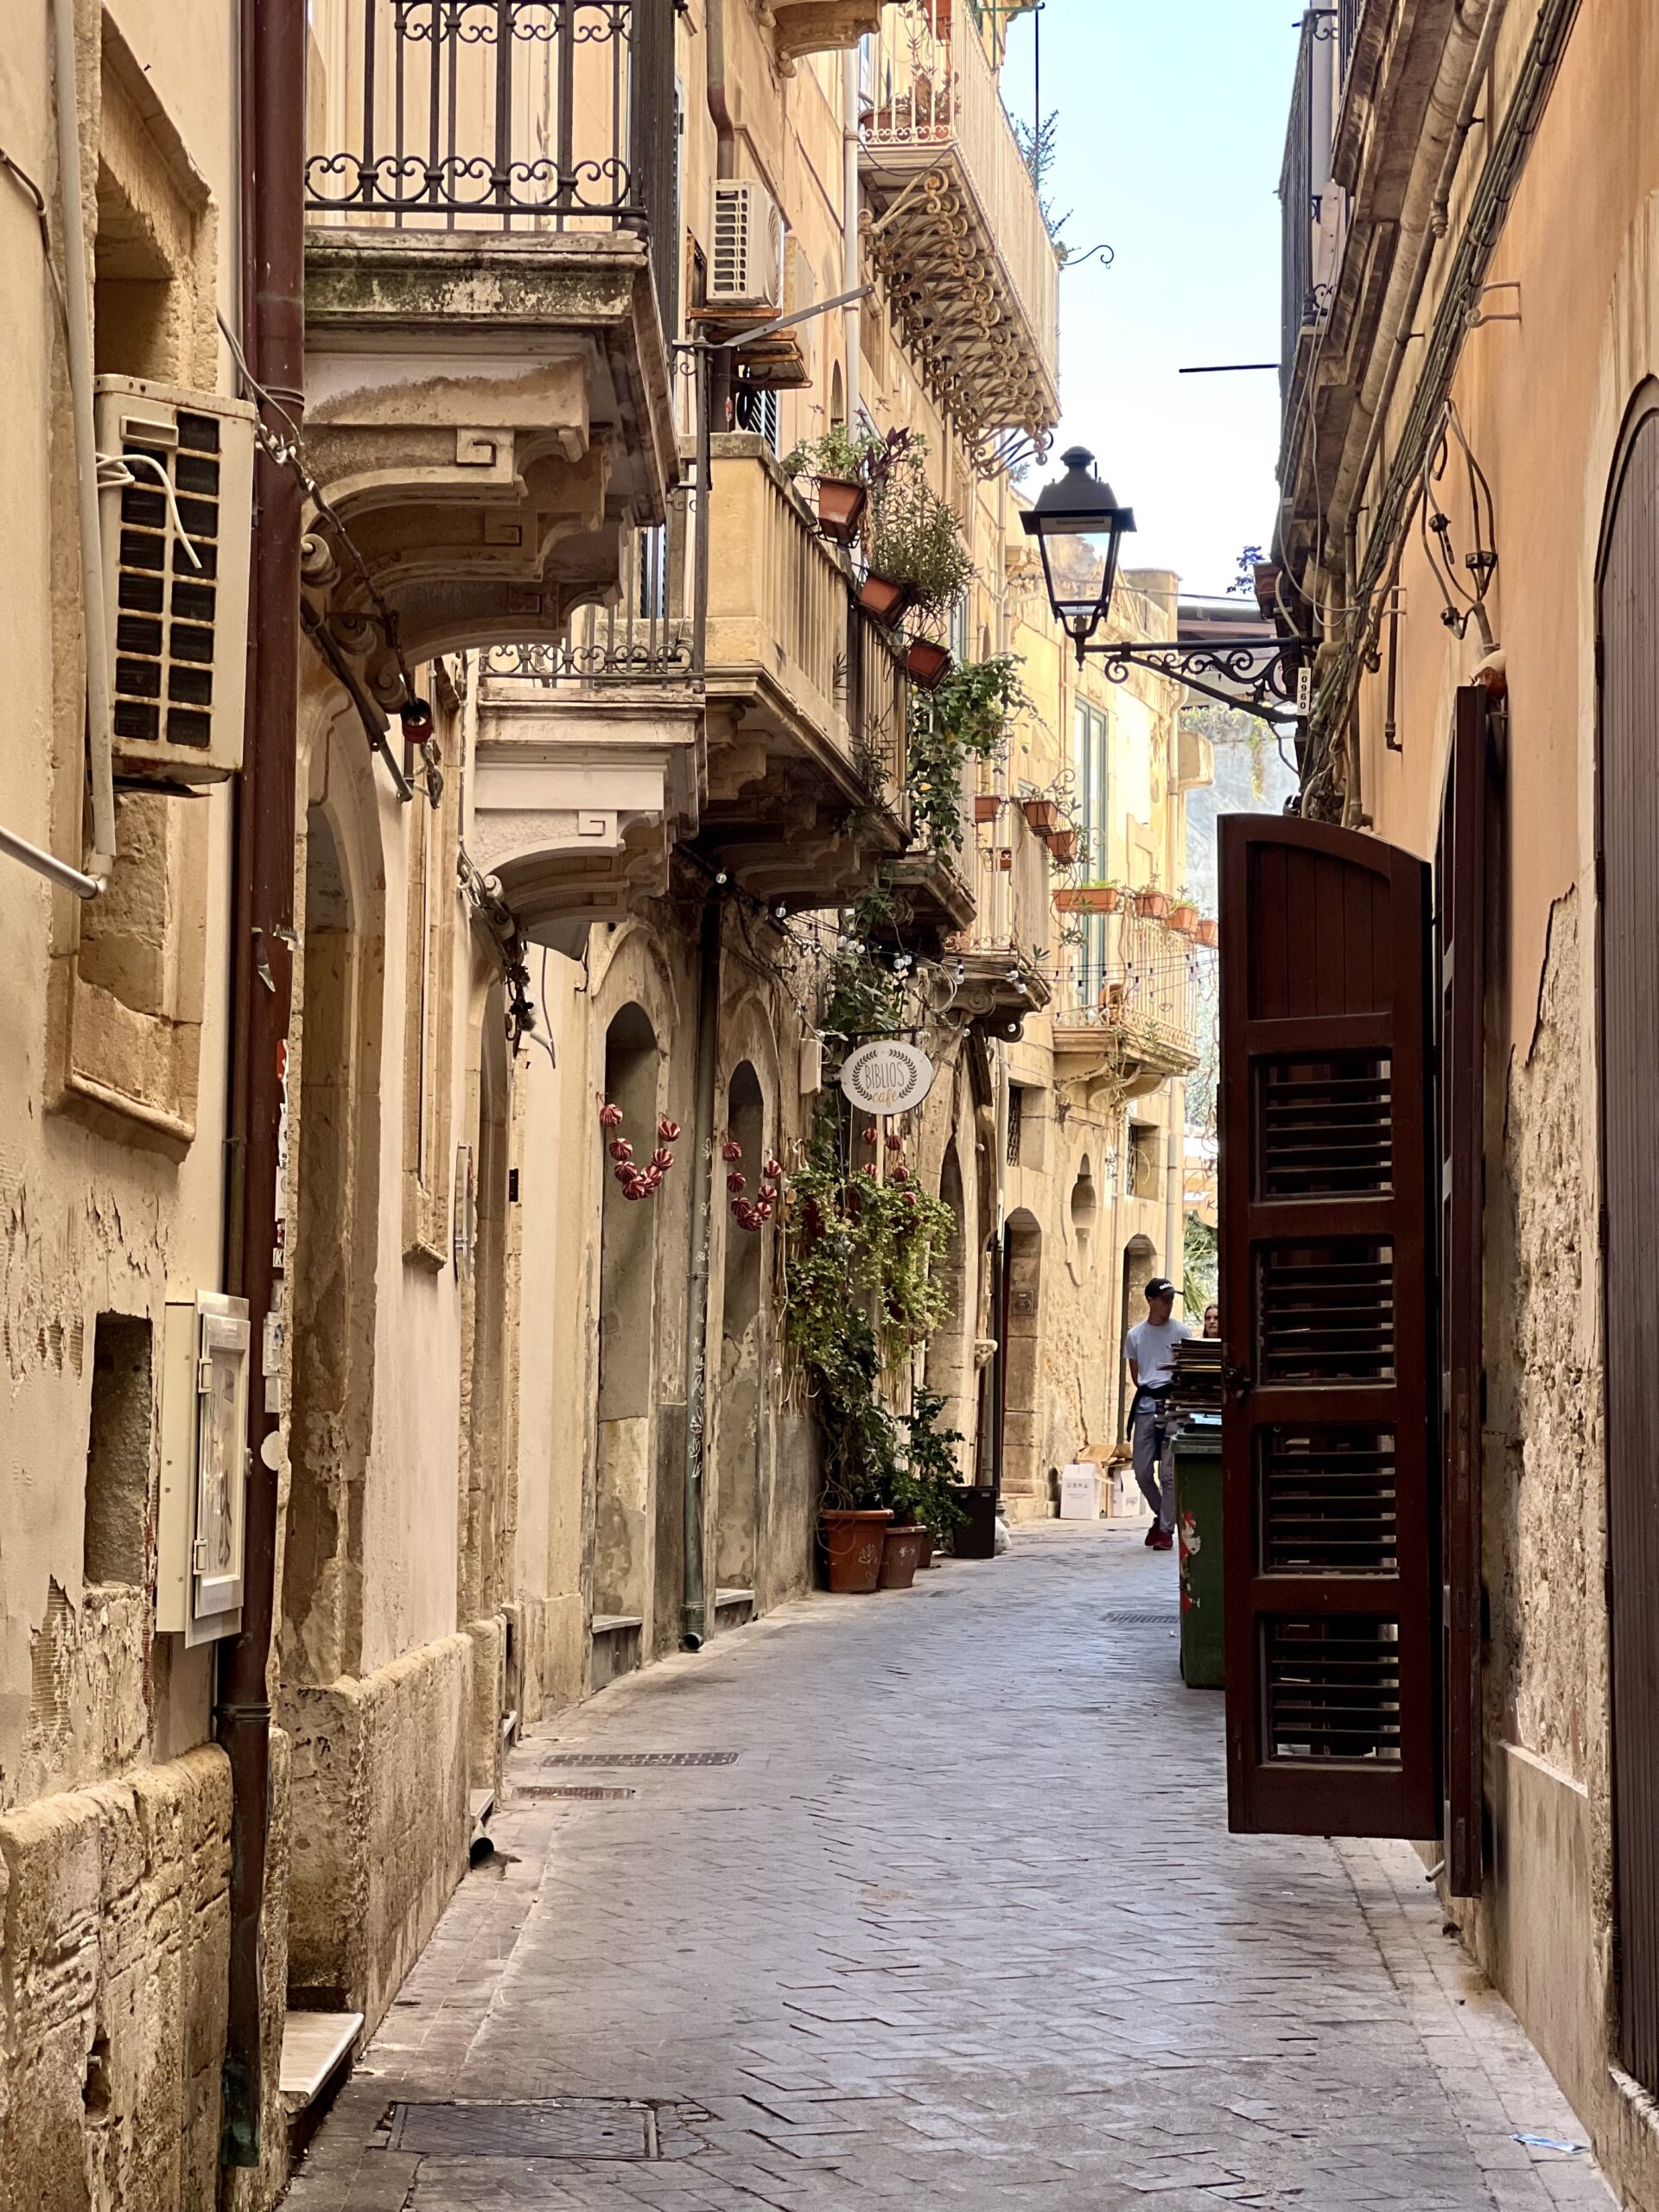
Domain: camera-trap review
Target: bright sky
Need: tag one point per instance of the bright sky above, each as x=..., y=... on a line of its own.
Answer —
x=1172, y=126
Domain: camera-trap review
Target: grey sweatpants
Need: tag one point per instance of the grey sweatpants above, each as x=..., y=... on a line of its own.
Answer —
x=1154, y=1459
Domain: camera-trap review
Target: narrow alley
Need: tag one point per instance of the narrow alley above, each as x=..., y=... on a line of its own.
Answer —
x=930, y=1902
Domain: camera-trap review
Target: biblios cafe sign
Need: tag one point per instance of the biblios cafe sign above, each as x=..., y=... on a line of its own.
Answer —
x=886, y=1077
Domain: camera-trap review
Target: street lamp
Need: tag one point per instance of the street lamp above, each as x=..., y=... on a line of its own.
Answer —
x=1079, y=529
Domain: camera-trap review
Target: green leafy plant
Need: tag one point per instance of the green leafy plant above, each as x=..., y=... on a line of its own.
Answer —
x=931, y=1470
x=911, y=537
x=965, y=719
x=839, y=452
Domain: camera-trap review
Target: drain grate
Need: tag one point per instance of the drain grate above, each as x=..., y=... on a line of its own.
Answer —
x=1141, y=1620
x=554, y=2127
x=640, y=1758
x=583, y=1789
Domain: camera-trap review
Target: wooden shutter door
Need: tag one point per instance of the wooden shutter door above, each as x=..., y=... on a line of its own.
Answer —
x=1327, y=1443
x=1628, y=833
x=1460, y=947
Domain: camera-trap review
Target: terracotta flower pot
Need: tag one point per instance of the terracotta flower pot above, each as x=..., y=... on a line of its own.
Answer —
x=987, y=806
x=1005, y=858
x=929, y=1544
x=1063, y=844
x=1152, y=906
x=929, y=663
x=1209, y=933
x=901, y=1554
x=841, y=503
x=1184, y=918
x=1039, y=814
x=883, y=600
x=853, y=1546
x=1088, y=899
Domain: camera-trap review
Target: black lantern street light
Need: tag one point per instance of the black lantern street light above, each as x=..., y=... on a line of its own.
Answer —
x=1080, y=529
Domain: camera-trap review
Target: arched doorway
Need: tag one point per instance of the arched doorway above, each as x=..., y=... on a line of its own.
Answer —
x=742, y=1360
x=333, y=1316
x=949, y=1356
x=1627, y=836
x=1022, y=1474
x=1139, y=1265
x=628, y=1335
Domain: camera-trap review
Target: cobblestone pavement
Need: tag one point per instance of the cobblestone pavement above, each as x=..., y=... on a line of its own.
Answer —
x=960, y=1925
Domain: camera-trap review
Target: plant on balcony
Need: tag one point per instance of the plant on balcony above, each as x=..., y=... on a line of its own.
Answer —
x=841, y=463
x=1184, y=916
x=928, y=662
x=1088, y=897
x=1209, y=934
x=1041, y=814
x=1151, y=904
x=965, y=719
x=1063, y=848
x=913, y=544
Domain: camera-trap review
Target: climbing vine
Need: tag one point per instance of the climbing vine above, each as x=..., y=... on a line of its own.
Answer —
x=965, y=719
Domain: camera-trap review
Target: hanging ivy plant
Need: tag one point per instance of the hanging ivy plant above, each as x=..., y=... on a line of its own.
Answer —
x=966, y=719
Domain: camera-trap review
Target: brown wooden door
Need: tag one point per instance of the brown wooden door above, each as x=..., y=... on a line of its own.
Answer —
x=1627, y=831
x=1460, y=949
x=1327, y=1440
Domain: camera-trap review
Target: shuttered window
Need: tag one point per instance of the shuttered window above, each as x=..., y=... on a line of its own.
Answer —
x=1327, y=1220
x=1459, y=940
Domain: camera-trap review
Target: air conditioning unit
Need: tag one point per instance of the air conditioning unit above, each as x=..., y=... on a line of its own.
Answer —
x=177, y=509
x=747, y=269
x=203, y=1517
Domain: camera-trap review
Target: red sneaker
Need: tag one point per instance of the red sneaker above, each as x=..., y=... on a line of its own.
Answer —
x=1162, y=1540
x=1152, y=1537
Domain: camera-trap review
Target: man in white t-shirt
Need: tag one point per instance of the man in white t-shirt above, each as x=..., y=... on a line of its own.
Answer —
x=1150, y=1352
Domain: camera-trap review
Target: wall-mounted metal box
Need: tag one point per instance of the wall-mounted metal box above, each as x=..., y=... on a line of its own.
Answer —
x=203, y=1513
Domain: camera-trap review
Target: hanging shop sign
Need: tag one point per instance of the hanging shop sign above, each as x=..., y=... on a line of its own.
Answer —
x=886, y=1077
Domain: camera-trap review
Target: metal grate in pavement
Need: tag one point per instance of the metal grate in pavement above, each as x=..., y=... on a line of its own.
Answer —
x=1141, y=1620
x=584, y=1789
x=553, y=2127
x=640, y=1758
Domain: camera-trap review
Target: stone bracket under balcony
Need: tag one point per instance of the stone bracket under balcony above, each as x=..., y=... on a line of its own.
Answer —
x=579, y=800
x=803, y=27
x=487, y=413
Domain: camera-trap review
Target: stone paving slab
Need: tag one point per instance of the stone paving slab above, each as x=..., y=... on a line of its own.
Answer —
x=962, y=1926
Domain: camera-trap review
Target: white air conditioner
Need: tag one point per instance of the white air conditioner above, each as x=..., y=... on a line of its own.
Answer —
x=177, y=510
x=747, y=269
x=201, y=1523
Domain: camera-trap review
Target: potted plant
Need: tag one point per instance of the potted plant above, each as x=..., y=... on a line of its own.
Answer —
x=839, y=463
x=928, y=662
x=914, y=543
x=1209, y=932
x=1184, y=918
x=1063, y=847
x=1088, y=898
x=1041, y=814
x=1151, y=905
x=987, y=806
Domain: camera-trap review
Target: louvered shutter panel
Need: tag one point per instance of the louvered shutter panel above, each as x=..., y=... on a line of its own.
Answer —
x=1460, y=936
x=1327, y=1443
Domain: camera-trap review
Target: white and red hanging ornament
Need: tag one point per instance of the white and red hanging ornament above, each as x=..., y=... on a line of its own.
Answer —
x=637, y=1182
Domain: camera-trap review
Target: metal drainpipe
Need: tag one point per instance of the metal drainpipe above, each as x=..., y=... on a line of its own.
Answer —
x=78, y=315
x=272, y=57
x=851, y=265
x=695, y=1612
x=1175, y=1194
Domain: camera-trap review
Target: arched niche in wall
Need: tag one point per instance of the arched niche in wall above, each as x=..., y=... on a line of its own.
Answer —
x=332, y=1319
x=949, y=1352
x=1023, y=1356
x=627, y=1332
x=838, y=395
x=741, y=1375
x=1085, y=1213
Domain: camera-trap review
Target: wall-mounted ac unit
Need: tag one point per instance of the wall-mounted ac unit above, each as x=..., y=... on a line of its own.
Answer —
x=200, y=1526
x=178, y=516
x=748, y=268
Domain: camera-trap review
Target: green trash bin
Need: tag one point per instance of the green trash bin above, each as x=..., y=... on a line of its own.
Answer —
x=1198, y=1526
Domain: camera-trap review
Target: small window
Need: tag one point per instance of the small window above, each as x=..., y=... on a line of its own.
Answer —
x=118, y=1453
x=758, y=413
x=1016, y=1121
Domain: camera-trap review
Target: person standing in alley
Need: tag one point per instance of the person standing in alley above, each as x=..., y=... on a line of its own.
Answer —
x=1150, y=1350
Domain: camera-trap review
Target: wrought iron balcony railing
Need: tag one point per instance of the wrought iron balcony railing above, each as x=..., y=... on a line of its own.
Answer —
x=506, y=114
x=641, y=636
x=1135, y=987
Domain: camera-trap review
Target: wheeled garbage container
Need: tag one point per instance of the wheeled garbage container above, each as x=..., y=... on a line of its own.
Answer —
x=1198, y=1526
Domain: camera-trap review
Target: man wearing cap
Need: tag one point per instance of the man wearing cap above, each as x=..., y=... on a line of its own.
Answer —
x=1151, y=1354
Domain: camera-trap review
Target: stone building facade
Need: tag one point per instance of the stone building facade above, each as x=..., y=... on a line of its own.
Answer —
x=1470, y=356
x=559, y=840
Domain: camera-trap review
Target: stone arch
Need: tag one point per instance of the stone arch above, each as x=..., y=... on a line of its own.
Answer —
x=838, y=395
x=1085, y=1214
x=950, y=1361
x=1022, y=1356
x=628, y=1333
x=741, y=1356
x=1139, y=1265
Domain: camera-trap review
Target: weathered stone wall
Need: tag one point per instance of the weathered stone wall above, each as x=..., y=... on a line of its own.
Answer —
x=381, y=1825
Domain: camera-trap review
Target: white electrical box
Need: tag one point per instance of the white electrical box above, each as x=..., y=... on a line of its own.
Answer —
x=176, y=472
x=203, y=1517
x=747, y=268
